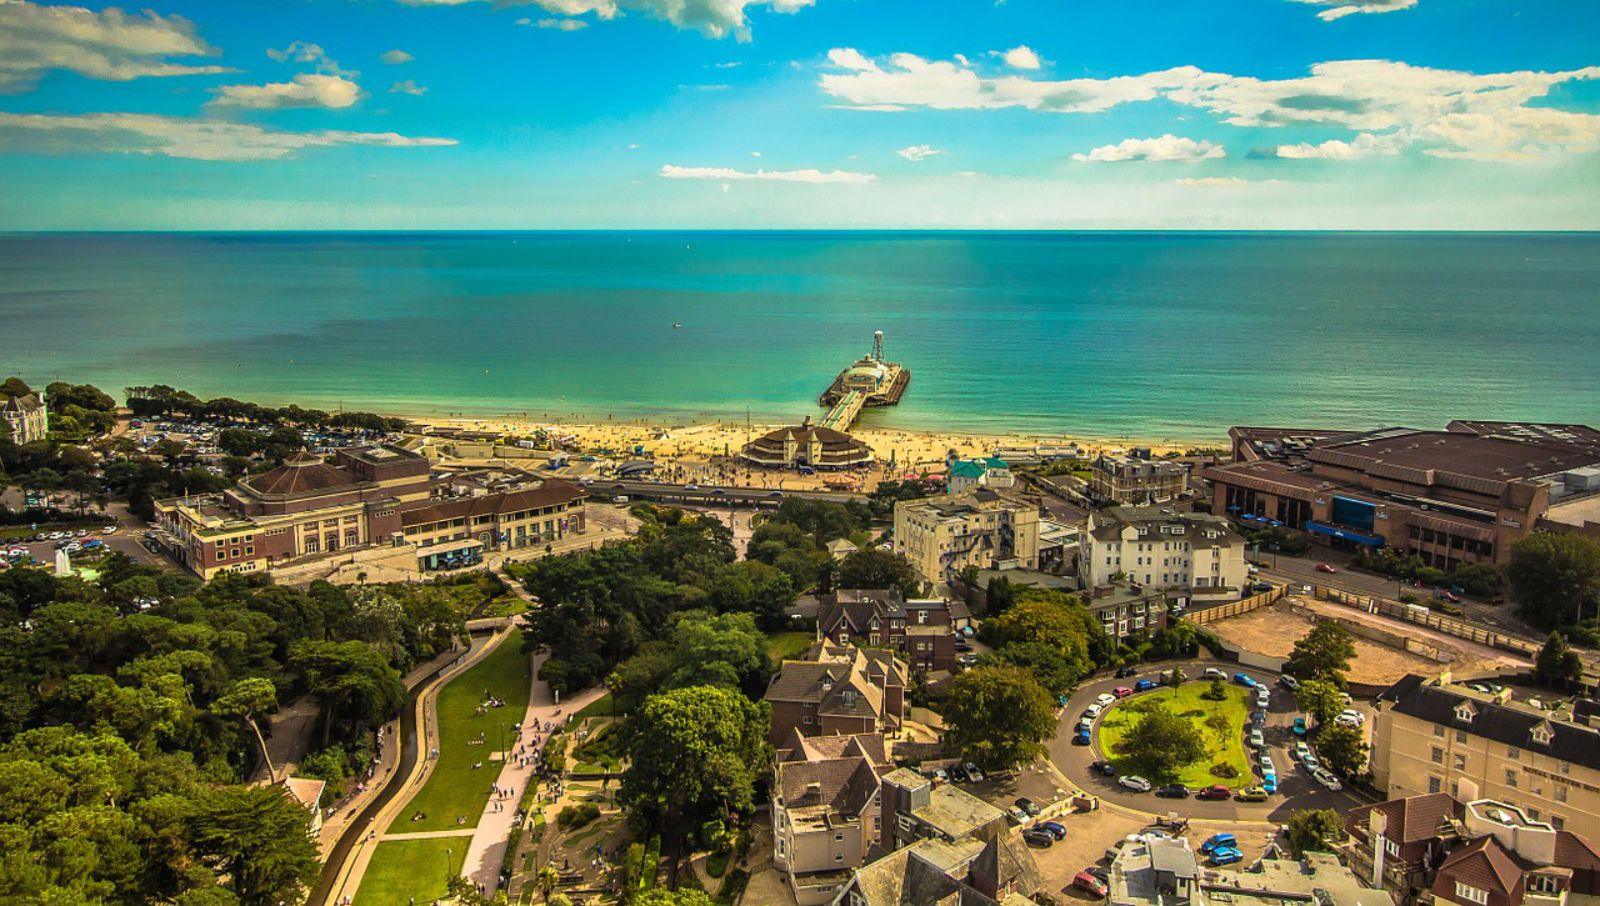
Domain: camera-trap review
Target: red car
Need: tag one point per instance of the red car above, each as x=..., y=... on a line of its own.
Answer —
x=1122, y=692
x=1214, y=792
x=1325, y=568
x=1088, y=883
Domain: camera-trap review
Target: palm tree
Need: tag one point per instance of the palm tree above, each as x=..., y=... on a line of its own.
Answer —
x=547, y=880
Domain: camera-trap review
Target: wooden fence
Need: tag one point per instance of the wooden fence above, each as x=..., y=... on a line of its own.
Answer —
x=1416, y=613
x=1202, y=616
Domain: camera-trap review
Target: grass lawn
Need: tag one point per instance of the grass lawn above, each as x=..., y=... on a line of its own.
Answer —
x=403, y=869
x=1228, y=748
x=455, y=787
x=600, y=707
x=782, y=645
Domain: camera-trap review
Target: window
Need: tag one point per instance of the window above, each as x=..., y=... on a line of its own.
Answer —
x=1560, y=792
x=1461, y=736
x=838, y=836
x=1469, y=894
x=1461, y=762
x=1392, y=847
x=1438, y=755
x=1544, y=884
x=808, y=720
x=1558, y=822
x=1438, y=730
x=1513, y=753
x=1511, y=778
x=1564, y=767
x=1434, y=785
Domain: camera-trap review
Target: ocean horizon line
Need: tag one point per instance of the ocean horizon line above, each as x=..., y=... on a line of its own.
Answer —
x=804, y=231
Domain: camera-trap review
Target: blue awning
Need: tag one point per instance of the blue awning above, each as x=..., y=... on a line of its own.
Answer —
x=1322, y=528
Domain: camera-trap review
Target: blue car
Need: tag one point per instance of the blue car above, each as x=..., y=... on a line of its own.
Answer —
x=1082, y=739
x=1219, y=841
x=1270, y=783
x=1299, y=726
x=1144, y=685
x=1226, y=856
x=1055, y=828
x=1244, y=680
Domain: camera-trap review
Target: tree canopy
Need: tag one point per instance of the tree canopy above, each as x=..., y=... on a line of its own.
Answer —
x=1314, y=830
x=1323, y=654
x=1161, y=743
x=1557, y=666
x=998, y=716
x=1554, y=577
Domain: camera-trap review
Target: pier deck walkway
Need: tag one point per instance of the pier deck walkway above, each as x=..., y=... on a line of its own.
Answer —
x=844, y=412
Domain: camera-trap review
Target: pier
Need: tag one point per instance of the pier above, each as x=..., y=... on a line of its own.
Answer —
x=871, y=381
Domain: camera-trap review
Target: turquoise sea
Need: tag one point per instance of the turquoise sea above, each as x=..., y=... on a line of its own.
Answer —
x=1144, y=335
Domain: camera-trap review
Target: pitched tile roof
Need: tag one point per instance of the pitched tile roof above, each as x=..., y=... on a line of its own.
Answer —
x=301, y=473
x=1409, y=820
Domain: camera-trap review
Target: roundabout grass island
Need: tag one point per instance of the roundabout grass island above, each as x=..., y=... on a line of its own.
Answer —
x=1221, y=725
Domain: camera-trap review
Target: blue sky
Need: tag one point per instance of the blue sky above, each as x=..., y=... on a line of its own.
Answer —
x=442, y=114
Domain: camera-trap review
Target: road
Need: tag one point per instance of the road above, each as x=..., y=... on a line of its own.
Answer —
x=707, y=495
x=1296, y=789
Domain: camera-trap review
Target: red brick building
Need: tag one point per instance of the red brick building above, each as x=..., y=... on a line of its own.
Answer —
x=838, y=690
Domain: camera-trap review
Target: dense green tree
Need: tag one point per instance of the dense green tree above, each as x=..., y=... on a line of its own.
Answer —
x=1161, y=743
x=1054, y=670
x=660, y=896
x=695, y=755
x=998, y=716
x=355, y=686
x=1314, y=830
x=256, y=838
x=999, y=596
x=1323, y=654
x=60, y=395
x=755, y=588
x=1342, y=749
x=1050, y=623
x=13, y=387
x=1557, y=666
x=1320, y=699
x=1554, y=577
x=874, y=568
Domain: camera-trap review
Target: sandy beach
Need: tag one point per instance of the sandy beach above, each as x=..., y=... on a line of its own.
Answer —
x=909, y=452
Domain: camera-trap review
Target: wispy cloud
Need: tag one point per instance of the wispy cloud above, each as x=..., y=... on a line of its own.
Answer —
x=1225, y=182
x=408, y=87
x=1021, y=57
x=728, y=174
x=304, y=90
x=918, y=152
x=171, y=136
x=396, y=57
x=1167, y=148
x=1441, y=112
x=712, y=18
x=1338, y=9
x=109, y=44
x=557, y=24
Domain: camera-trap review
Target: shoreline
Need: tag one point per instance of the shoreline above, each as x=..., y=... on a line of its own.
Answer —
x=710, y=438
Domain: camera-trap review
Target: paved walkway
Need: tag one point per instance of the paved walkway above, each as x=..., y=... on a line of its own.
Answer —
x=432, y=835
x=487, y=852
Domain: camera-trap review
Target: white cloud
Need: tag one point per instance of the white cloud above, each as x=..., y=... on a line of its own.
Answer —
x=1166, y=148
x=1338, y=9
x=1364, y=145
x=1224, y=182
x=1021, y=57
x=110, y=44
x=728, y=174
x=557, y=24
x=1447, y=113
x=408, y=87
x=755, y=153
x=712, y=18
x=171, y=136
x=918, y=152
x=305, y=90
x=396, y=57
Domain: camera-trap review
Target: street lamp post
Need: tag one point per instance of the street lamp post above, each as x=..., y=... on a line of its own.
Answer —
x=448, y=852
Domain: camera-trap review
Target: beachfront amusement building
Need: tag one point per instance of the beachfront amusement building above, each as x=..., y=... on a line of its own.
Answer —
x=807, y=446
x=366, y=498
x=1451, y=497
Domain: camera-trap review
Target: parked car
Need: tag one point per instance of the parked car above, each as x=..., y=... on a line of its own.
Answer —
x=1089, y=884
x=1299, y=727
x=1219, y=841
x=1257, y=741
x=1101, y=872
x=1326, y=778
x=1173, y=791
x=1350, y=717
x=1270, y=783
x=973, y=774
x=1226, y=856
x=1245, y=680
x=1450, y=596
x=1311, y=762
x=1093, y=710
x=1134, y=782
x=1215, y=791
x=1122, y=692
x=1056, y=829
x=1017, y=815
x=1144, y=685
x=1126, y=670
x=1252, y=794
x=957, y=773
x=1289, y=682
x=1105, y=699
x=1325, y=568
x=1081, y=738
x=1261, y=587
x=1029, y=806
x=1213, y=673
x=1105, y=768
x=1258, y=719
x=1034, y=836
x=1300, y=750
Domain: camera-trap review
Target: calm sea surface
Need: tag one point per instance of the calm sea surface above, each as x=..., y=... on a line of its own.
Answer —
x=1111, y=335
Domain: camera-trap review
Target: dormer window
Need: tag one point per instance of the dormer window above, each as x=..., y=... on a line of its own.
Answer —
x=1465, y=712
x=1542, y=733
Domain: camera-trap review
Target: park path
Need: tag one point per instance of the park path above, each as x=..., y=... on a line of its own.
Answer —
x=487, y=850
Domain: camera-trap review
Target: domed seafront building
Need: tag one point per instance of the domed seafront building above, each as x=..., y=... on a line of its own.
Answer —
x=807, y=445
